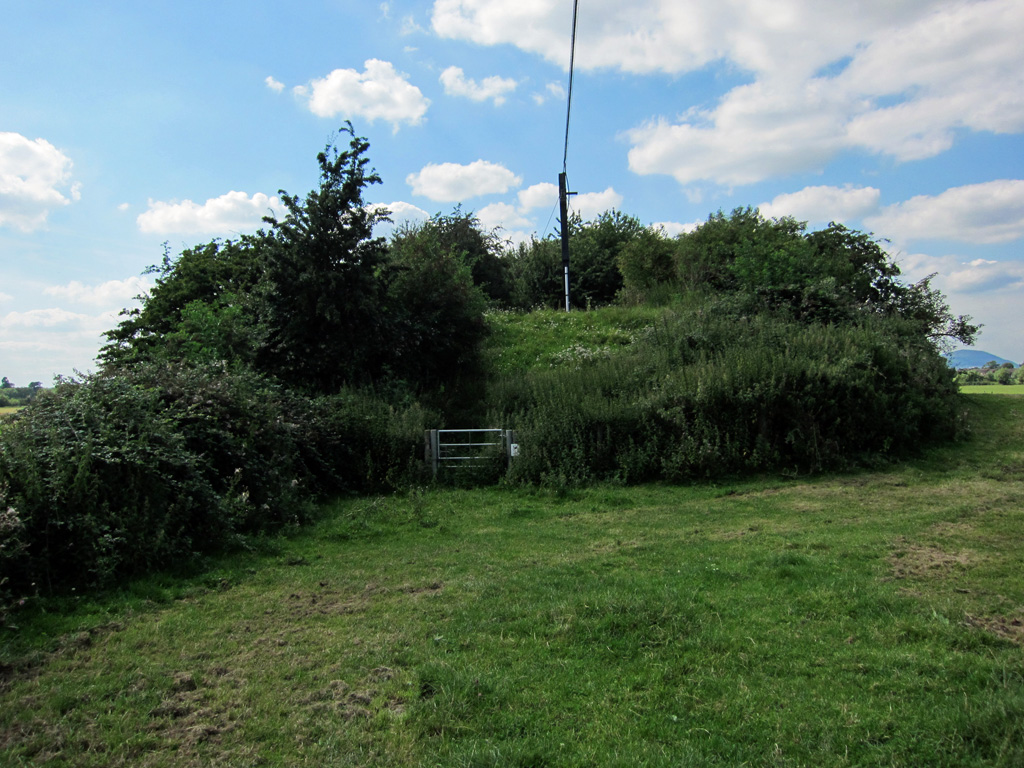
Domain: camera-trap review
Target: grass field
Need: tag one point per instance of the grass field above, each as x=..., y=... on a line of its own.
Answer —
x=992, y=389
x=867, y=619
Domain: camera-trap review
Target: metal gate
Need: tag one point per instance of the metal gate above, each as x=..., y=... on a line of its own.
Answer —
x=469, y=447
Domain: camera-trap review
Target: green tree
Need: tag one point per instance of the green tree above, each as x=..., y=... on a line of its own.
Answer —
x=320, y=297
x=460, y=234
x=1002, y=375
x=647, y=262
x=436, y=305
x=594, y=249
x=535, y=274
x=214, y=279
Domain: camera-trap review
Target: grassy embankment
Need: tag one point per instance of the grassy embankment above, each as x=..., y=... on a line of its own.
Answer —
x=874, y=618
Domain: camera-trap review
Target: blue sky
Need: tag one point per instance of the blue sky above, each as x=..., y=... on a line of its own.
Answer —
x=127, y=125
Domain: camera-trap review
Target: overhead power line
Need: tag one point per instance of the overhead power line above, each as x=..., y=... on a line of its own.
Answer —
x=572, y=68
x=563, y=184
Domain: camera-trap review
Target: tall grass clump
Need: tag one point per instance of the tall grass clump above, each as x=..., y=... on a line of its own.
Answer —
x=117, y=475
x=709, y=391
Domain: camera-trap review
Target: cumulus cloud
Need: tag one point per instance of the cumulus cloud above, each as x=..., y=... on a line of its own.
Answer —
x=35, y=178
x=274, y=85
x=824, y=204
x=450, y=182
x=503, y=216
x=108, y=294
x=229, y=213
x=667, y=36
x=983, y=275
x=589, y=205
x=379, y=92
x=992, y=212
x=543, y=195
x=39, y=344
x=757, y=131
x=400, y=213
x=898, y=79
x=492, y=88
x=674, y=228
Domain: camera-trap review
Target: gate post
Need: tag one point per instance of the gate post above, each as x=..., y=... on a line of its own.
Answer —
x=511, y=445
x=431, y=450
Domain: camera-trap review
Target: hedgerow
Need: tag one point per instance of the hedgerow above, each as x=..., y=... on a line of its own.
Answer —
x=110, y=476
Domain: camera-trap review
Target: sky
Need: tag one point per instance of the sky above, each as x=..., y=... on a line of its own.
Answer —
x=129, y=128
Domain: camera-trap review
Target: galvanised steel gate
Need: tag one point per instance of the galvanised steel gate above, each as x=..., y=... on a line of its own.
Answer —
x=469, y=447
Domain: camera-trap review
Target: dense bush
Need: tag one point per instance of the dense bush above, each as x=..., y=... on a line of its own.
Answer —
x=535, y=272
x=711, y=392
x=116, y=475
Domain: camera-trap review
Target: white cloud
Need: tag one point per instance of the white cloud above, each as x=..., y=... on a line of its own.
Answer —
x=449, y=182
x=108, y=294
x=380, y=92
x=674, y=228
x=757, y=131
x=992, y=212
x=41, y=343
x=895, y=78
x=400, y=213
x=543, y=195
x=33, y=174
x=230, y=213
x=985, y=275
x=502, y=216
x=589, y=205
x=551, y=91
x=824, y=204
x=494, y=88
x=274, y=85
x=668, y=36
x=960, y=65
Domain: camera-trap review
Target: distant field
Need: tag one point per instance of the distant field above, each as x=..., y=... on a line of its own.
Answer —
x=7, y=410
x=993, y=389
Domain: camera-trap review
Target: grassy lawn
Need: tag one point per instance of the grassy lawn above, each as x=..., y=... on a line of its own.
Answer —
x=874, y=618
x=992, y=389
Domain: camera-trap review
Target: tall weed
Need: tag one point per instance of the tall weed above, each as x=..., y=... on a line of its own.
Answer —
x=709, y=391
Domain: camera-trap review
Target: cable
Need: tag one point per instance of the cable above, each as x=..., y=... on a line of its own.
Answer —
x=572, y=67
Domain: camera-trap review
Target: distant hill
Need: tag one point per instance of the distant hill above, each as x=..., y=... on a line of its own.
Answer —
x=973, y=358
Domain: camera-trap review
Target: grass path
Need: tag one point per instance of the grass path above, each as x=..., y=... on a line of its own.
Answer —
x=864, y=619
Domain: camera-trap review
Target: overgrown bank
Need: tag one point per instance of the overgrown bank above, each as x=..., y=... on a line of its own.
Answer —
x=264, y=375
x=872, y=618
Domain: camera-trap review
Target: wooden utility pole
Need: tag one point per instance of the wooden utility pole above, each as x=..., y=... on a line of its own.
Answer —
x=563, y=207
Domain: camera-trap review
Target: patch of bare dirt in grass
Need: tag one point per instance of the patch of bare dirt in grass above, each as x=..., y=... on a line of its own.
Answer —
x=915, y=561
x=191, y=714
x=327, y=601
x=1008, y=628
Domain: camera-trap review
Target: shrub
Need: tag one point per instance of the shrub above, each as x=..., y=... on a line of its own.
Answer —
x=708, y=393
x=117, y=475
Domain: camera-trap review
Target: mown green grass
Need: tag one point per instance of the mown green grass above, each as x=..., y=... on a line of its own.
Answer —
x=865, y=619
x=992, y=389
